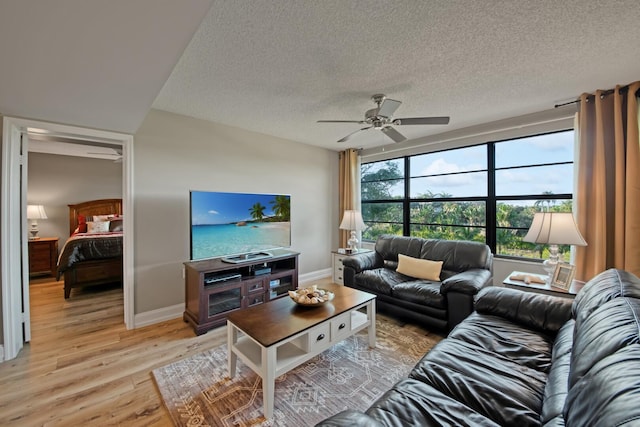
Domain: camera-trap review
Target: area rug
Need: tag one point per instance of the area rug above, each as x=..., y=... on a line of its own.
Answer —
x=198, y=392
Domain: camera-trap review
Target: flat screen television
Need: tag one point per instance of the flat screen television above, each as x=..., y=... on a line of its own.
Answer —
x=235, y=225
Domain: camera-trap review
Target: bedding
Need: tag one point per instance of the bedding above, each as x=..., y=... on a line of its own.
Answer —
x=93, y=254
x=89, y=246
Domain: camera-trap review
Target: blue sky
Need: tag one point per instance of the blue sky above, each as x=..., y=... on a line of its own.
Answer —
x=223, y=208
x=540, y=149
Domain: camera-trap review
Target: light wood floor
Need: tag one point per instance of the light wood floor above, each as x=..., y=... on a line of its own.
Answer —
x=83, y=367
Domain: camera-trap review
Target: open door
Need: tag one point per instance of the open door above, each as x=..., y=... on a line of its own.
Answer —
x=24, y=170
x=13, y=231
x=14, y=264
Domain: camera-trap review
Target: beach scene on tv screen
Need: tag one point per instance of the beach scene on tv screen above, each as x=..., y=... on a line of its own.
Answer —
x=238, y=223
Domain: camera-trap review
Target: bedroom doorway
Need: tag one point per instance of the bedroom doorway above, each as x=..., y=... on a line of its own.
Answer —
x=13, y=239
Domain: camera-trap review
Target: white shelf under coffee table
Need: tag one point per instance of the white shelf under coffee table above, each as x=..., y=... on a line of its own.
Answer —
x=277, y=336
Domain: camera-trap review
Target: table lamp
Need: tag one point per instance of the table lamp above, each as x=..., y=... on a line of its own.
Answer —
x=554, y=228
x=34, y=213
x=352, y=220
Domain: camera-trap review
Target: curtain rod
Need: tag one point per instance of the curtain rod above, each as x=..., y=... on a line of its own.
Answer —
x=623, y=89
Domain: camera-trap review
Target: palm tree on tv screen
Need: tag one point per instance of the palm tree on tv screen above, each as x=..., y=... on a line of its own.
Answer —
x=257, y=211
x=282, y=207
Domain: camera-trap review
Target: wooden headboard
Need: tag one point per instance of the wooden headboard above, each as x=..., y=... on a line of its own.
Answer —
x=93, y=207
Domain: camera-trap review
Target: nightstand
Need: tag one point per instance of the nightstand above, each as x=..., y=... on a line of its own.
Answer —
x=43, y=255
x=540, y=288
x=337, y=267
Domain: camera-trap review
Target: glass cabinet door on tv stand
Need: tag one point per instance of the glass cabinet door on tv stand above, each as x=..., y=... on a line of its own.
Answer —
x=214, y=288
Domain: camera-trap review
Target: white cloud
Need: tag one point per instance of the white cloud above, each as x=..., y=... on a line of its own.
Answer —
x=558, y=142
x=441, y=166
x=213, y=212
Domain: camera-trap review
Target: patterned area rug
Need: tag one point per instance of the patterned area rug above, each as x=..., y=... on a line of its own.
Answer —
x=197, y=391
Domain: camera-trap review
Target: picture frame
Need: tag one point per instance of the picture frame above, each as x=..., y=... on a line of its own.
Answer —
x=563, y=276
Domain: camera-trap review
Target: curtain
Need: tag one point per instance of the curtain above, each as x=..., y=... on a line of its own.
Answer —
x=608, y=185
x=349, y=185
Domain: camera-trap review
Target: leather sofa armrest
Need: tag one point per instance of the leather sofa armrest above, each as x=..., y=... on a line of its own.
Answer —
x=349, y=418
x=538, y=311
x=468, y=282
x=357, y=263
x=361, y=262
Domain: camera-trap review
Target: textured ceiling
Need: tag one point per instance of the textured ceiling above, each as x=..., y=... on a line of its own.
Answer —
x=276, y=67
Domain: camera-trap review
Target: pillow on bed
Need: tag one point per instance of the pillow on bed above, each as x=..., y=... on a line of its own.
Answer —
x=101, y=218
x=98, y=227
x=82, y=225
x=115, y=225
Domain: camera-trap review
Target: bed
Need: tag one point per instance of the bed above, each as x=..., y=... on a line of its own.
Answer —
x=95, y=257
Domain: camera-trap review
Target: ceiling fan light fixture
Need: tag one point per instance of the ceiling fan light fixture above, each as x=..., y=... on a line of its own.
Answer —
x=382, y=116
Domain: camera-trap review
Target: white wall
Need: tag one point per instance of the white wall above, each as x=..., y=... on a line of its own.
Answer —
x=174, y=154
x=56, y=181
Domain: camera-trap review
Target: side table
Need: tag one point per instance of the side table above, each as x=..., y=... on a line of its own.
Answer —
x=43, y=255
x=540, y=288
x=337, y=268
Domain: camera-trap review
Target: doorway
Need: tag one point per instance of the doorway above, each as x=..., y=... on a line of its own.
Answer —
x=13, y=241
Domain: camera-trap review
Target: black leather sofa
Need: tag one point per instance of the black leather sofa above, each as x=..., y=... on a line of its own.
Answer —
x=525, y=359
x=439, y=304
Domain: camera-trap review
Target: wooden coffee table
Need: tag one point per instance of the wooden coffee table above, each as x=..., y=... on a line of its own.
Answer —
x=277, y=336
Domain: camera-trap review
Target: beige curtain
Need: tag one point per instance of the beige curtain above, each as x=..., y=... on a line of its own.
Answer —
x=349, y=185
x=608, y=186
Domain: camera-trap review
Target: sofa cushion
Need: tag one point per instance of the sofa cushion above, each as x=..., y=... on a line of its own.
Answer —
x=498, y=388
x=528, y=347
x=414, y=403
x=379, y=280
x=389, y=246
x=608, y=395
x=419, y=268
x=420, y=292
x=611, y=327
x=604, y=287
x=555, y=392
x=458, y=255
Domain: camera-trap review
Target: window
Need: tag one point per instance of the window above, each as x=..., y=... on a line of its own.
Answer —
x=487, y=193
x=382, y=191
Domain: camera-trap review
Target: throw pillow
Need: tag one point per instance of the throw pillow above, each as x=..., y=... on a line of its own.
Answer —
x=115, y=225
x=98, y=227
x=419, y=268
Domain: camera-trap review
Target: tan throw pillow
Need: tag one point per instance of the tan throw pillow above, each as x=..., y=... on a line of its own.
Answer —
x=419, y=268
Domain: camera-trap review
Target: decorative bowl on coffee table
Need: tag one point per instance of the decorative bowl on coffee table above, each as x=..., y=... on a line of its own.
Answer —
x=311, y=297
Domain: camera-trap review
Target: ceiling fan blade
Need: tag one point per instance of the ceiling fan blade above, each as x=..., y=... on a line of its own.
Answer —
x=393, y=134
x=388, y=107
x=422, y=121
x=353, y=133
x=341, y=121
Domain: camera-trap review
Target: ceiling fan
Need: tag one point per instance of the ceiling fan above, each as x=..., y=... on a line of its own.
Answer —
x=381, y=118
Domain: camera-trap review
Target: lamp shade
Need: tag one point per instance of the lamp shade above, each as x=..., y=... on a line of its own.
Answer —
x=352, y=220
x=36, y=212
x=554, y=228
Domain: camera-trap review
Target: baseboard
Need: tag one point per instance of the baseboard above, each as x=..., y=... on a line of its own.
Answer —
x=175, y=311
x=159, y=315
x=314, y=275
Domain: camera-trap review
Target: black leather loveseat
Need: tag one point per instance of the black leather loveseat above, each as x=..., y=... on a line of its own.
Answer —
x=441, y=303
x=525, y=359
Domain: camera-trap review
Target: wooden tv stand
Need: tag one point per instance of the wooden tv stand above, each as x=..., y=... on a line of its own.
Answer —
x=214, y=288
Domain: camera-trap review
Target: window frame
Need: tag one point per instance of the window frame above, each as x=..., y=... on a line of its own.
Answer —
x=491, y=200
